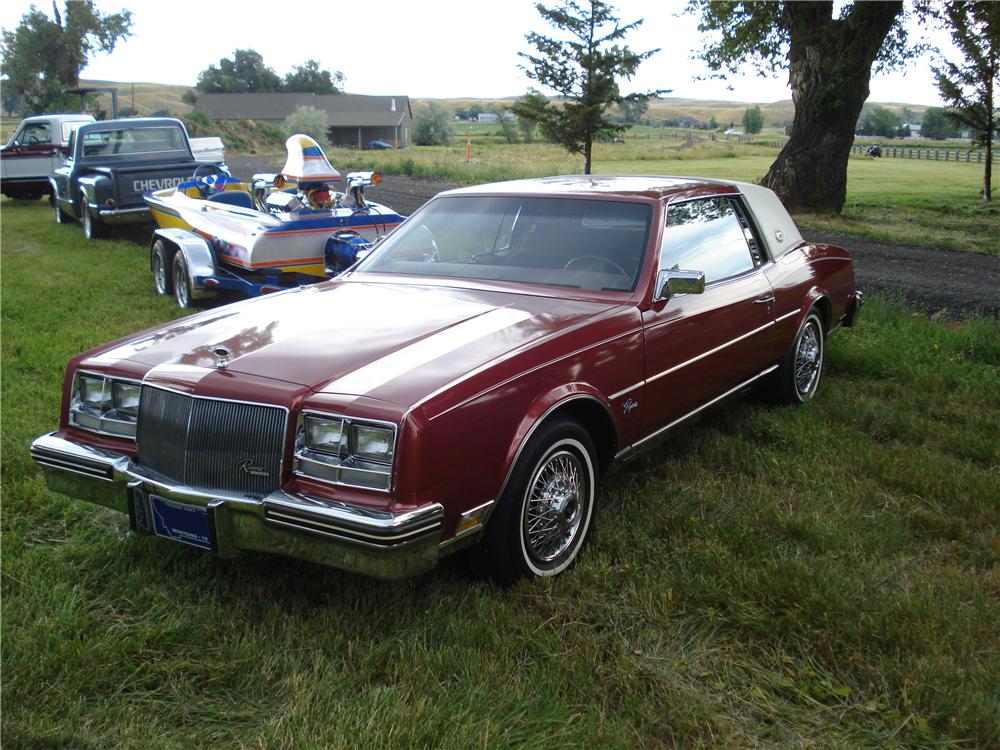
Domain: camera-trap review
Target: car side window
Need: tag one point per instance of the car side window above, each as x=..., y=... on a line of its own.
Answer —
x=707, y=235
x=33, y=133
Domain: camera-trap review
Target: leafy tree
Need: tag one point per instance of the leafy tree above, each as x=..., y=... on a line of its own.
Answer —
x=190, y=97
x=830, y=61
x=583, y=71
x=879, y=121
x=937, y=125
x=525, y=109
x=430, y=126
x=42, y=56
x=507, y=127
x=969, y=88
x=311, y=121
x=753, y=120
x=309, y=77
x=245, y=73
x=633, y=109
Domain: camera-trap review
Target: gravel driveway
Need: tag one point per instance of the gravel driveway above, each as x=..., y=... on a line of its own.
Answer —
x=946, y=283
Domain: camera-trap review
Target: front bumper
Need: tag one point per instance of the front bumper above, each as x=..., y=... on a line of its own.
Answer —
x=362, y=540
x=118, y=216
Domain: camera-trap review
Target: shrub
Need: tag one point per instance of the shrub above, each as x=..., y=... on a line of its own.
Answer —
x=311, y=121
x=431, y=126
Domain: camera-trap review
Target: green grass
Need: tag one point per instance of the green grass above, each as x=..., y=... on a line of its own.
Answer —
x=825, y=576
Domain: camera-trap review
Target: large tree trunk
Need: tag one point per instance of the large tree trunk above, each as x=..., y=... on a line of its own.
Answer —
x=830, y=64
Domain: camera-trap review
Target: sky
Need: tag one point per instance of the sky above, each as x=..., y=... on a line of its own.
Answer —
x=423, y=48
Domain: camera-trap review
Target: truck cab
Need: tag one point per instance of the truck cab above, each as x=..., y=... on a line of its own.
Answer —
x=38, y=146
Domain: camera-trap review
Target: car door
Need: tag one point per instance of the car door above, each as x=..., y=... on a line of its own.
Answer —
x=698, y=347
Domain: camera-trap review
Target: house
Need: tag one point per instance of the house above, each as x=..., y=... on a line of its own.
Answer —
x=354, y=119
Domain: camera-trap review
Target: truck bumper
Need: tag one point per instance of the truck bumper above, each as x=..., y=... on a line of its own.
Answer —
x=354, y=538
x=117, y=216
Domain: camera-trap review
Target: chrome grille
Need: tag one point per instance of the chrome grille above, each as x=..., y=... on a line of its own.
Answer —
x=209, y=444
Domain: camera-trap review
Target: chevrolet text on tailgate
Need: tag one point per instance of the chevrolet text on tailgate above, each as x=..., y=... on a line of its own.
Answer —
x=467, y=383
x=112, y=163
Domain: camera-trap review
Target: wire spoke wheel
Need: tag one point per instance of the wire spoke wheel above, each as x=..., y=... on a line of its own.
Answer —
x=808, y=360
x=555, y=506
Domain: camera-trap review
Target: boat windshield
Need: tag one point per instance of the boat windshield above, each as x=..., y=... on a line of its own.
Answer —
x=572, y=242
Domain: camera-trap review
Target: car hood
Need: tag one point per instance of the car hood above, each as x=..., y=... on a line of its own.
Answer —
x=395, y=342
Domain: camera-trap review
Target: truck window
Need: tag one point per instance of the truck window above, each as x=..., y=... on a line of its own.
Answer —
x=120, y=141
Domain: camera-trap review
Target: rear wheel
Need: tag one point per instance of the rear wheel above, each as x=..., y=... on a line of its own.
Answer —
x=543, y=516
x=181, y=281
x=162, y=279
x=798, y=376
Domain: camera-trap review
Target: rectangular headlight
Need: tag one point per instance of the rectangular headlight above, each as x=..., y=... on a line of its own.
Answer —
x=92, y=392
x=125, y=397
x=324, y=435
x=372, y=443
x=346, y=451
x=105, y=405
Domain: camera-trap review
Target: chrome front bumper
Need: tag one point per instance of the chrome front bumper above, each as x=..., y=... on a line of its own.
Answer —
x=350, y=537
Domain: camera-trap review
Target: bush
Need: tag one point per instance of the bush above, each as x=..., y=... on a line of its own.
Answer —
x=311, y=121
x=431, y=126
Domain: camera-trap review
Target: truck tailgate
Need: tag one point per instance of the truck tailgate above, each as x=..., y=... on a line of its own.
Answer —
x=132, y=182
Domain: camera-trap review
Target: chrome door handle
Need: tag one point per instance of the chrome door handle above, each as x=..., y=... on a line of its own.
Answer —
x=764, y=300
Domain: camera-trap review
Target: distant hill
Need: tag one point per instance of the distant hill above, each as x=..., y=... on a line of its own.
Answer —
x=156, y=97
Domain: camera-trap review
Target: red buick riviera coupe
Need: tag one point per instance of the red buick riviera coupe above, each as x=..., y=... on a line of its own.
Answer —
x=468, y=382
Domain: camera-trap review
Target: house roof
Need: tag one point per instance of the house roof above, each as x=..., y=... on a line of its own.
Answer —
x=343, y=110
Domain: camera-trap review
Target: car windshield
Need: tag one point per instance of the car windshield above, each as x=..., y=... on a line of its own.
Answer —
x=571, y=242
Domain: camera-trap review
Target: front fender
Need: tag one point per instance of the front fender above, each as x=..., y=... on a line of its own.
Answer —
x=544, y=406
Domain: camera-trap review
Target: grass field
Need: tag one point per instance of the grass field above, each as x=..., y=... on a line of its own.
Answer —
x=827, y=576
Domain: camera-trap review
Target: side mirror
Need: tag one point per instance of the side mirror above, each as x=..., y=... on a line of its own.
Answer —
x=672, y=283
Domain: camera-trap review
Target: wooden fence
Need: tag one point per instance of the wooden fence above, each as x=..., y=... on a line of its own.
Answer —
x=930, y=154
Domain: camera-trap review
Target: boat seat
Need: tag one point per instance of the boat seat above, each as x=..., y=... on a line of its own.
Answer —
x=240, y=198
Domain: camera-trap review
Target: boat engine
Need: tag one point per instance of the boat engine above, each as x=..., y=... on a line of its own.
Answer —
x=343, y=250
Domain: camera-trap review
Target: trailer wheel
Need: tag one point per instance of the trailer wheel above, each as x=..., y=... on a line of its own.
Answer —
x=161, y=267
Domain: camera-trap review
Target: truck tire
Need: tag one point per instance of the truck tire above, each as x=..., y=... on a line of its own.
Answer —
x=93, y=227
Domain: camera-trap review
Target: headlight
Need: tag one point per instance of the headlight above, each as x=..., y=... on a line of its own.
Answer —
x=345, y=450
x=105, y=405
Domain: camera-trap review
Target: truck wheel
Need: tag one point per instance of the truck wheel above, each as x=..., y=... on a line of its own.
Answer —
x=61, y=216
x=543, y=516
x=181, y=281
x=162, y=277
x=93, y=227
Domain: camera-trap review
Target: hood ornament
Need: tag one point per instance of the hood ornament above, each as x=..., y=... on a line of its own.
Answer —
x=223, y=354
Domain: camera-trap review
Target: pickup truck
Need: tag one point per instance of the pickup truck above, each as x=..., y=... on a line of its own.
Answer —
x=39, y=145
x=112, y=163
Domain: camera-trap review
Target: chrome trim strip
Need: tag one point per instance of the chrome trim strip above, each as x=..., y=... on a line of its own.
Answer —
x=622, y=392
x=52, y=463
x=710, y=352
x=786, y=316
x=308, y=524
x=704, y=406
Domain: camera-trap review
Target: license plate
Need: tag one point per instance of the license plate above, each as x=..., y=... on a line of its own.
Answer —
x=180, y=522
